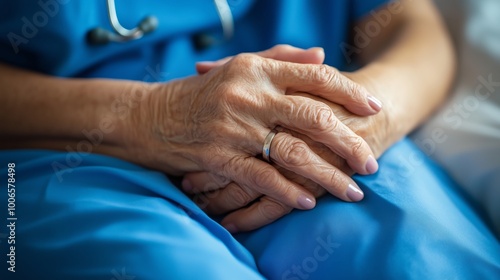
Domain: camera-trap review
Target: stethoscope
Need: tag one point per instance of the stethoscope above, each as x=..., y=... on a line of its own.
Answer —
x=101, y=36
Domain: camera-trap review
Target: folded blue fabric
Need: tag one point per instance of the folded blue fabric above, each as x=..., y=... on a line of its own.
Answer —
x=412, y=224
x=103, y=218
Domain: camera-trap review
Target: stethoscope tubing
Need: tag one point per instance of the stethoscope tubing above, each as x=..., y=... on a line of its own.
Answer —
x=100, y=36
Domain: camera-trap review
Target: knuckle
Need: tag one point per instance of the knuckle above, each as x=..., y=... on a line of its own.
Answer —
x=237, y=196
x=273, y=210
x=357, y=148
x=322, y=118
x=288, y=107
x=265, y=178
x=325, y=75
x=294, y=153
x=245, y=61
x=233, y=167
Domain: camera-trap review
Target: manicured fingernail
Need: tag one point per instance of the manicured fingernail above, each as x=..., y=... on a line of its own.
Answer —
x=231, y=228
x=306, y=202
x=354, y=193
x=374, y=103
x=186, y=185
x=371, y=165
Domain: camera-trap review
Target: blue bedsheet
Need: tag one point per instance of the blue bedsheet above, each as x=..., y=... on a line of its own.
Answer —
x=108, y=219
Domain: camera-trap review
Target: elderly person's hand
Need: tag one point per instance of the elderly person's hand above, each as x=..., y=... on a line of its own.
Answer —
x=246, y=209
x=217, y=122
x=216, y=196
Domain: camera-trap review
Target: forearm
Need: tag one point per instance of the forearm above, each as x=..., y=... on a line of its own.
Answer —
x=414, y=72
x=46, y=112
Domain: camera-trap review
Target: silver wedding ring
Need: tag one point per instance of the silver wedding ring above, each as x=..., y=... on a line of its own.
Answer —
x=266, y=148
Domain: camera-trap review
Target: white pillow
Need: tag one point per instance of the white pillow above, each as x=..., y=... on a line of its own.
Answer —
x=464, y=136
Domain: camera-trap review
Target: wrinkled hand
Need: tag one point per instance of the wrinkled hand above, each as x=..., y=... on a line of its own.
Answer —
x=217, y=122
x=247, y=209
x=216, y=196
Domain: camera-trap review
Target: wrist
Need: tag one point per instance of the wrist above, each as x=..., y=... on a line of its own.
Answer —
x=384, y=129
x=151, y=124
x=121, y=119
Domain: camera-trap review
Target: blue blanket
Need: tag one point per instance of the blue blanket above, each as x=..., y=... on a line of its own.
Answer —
x=82, y=216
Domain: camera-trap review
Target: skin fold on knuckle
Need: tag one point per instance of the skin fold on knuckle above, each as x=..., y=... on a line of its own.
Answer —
x=358, y=148
x=321, y=118
x=235, y=168
x=265, y=179
x=245, y=62
x=292, y=153
x=325, y=76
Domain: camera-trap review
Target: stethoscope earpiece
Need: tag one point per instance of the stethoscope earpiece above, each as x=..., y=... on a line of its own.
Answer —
x=101, y=36
x=98, y=36
x=203, y=41
x=148, y=24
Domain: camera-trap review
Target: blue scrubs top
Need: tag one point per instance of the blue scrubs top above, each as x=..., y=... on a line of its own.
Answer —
x=50, y=35
x=109, y=219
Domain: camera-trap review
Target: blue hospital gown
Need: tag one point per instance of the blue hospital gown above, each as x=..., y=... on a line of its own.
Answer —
x=104, y=218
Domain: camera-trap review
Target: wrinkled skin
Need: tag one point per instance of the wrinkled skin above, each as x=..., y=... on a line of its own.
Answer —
x=249, y=209
x=217, y=122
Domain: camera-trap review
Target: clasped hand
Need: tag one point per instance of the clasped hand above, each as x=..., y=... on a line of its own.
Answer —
x=212, y=128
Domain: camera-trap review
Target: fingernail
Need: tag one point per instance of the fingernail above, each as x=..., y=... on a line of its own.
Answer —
x=231, y=228
x=186, y=185
x=371, y=165
x=306, y=202
x=354, y=193
x=374, y=103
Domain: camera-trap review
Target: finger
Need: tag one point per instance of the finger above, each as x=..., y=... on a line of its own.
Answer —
x=321, y=150
x=230, y=198
x=317, y=120
x=279, y=52
x=307, y=184
x=199, y=182
x=323, y=81
x=259, y=214
x=252, y=173
x=233, y=196
x=293, y=154
x=294, y=54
